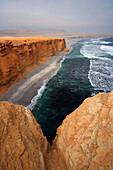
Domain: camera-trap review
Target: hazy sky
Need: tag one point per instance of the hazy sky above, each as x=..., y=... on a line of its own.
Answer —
x=84, y=16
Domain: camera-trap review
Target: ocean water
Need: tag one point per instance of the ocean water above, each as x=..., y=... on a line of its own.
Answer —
x=85, y=71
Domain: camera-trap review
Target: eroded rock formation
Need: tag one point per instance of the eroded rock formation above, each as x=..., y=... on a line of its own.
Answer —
x=83, y=141
x=22, y=141
x=20, y=55
x=85, y=137
x=66, y=50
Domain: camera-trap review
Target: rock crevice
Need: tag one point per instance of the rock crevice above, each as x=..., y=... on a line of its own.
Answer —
x=83, y=141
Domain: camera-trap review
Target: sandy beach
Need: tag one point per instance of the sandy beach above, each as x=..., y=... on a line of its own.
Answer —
x=22, y=92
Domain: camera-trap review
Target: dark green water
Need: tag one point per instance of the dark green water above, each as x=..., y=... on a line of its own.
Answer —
x=64, y=92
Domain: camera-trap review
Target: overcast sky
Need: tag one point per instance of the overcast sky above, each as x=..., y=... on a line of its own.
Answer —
x=82, y=16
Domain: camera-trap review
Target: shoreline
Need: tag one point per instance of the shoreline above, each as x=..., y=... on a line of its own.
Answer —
x=26, y=89
x=23, y=91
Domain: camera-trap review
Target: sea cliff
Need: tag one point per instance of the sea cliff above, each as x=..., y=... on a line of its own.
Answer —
x=83, y=141
x=19, y=55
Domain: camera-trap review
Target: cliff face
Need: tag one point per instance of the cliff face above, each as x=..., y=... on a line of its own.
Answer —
x=83, y=141
x=22, y=141
x=20, y=55
x=85, y=138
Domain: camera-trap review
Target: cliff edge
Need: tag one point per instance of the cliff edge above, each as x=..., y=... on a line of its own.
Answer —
x=19, y=55
x=85, y=138
x=83, y=141
x=21, y=139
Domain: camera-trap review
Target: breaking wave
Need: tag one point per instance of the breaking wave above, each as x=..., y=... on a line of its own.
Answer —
x=41, y=90
x=108, y=49
x=101, y=63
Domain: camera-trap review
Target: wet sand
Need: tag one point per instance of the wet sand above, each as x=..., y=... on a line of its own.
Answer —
x=22, y=92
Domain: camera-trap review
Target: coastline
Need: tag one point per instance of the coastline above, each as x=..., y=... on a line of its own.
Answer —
x=26, y=89
x=23, y=91
x=69, y=42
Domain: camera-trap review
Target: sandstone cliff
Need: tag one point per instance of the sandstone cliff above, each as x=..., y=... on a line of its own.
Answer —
x=22, y=141
x=20, y=55
x=83, y=141
x=85, y=138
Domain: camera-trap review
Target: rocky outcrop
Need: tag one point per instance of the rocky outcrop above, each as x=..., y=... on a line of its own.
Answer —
x=19, y=55
x=85, y=138
x=83, y=141
x=66, y=50
x=22, y=142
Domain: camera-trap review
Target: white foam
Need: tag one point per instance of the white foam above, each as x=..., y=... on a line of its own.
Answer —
x=43, y=87
x=61, y=63
x=95, y=52
x=38, y=96
x=91, y=51
x=105, y=42
x=41, y=90
x=31, y=80
x=101, y=74
x=98, y=41
x=108, y=49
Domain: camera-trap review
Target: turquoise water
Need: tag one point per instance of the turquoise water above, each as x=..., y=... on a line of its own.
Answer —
x=86, y=70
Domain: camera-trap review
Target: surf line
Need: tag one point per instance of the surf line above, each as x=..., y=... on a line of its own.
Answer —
x=41, y=90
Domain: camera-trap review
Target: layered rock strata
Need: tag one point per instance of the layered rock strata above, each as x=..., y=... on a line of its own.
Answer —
x=19, y=55
x=83, y=141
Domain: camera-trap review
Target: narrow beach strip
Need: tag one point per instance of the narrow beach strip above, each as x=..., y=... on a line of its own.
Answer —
x=24, y=91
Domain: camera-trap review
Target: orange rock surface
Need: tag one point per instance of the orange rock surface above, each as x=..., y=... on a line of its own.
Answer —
x=85, y=138
x=83, y=141
x=66, y=50
x=22, y=141
x=19, y=55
